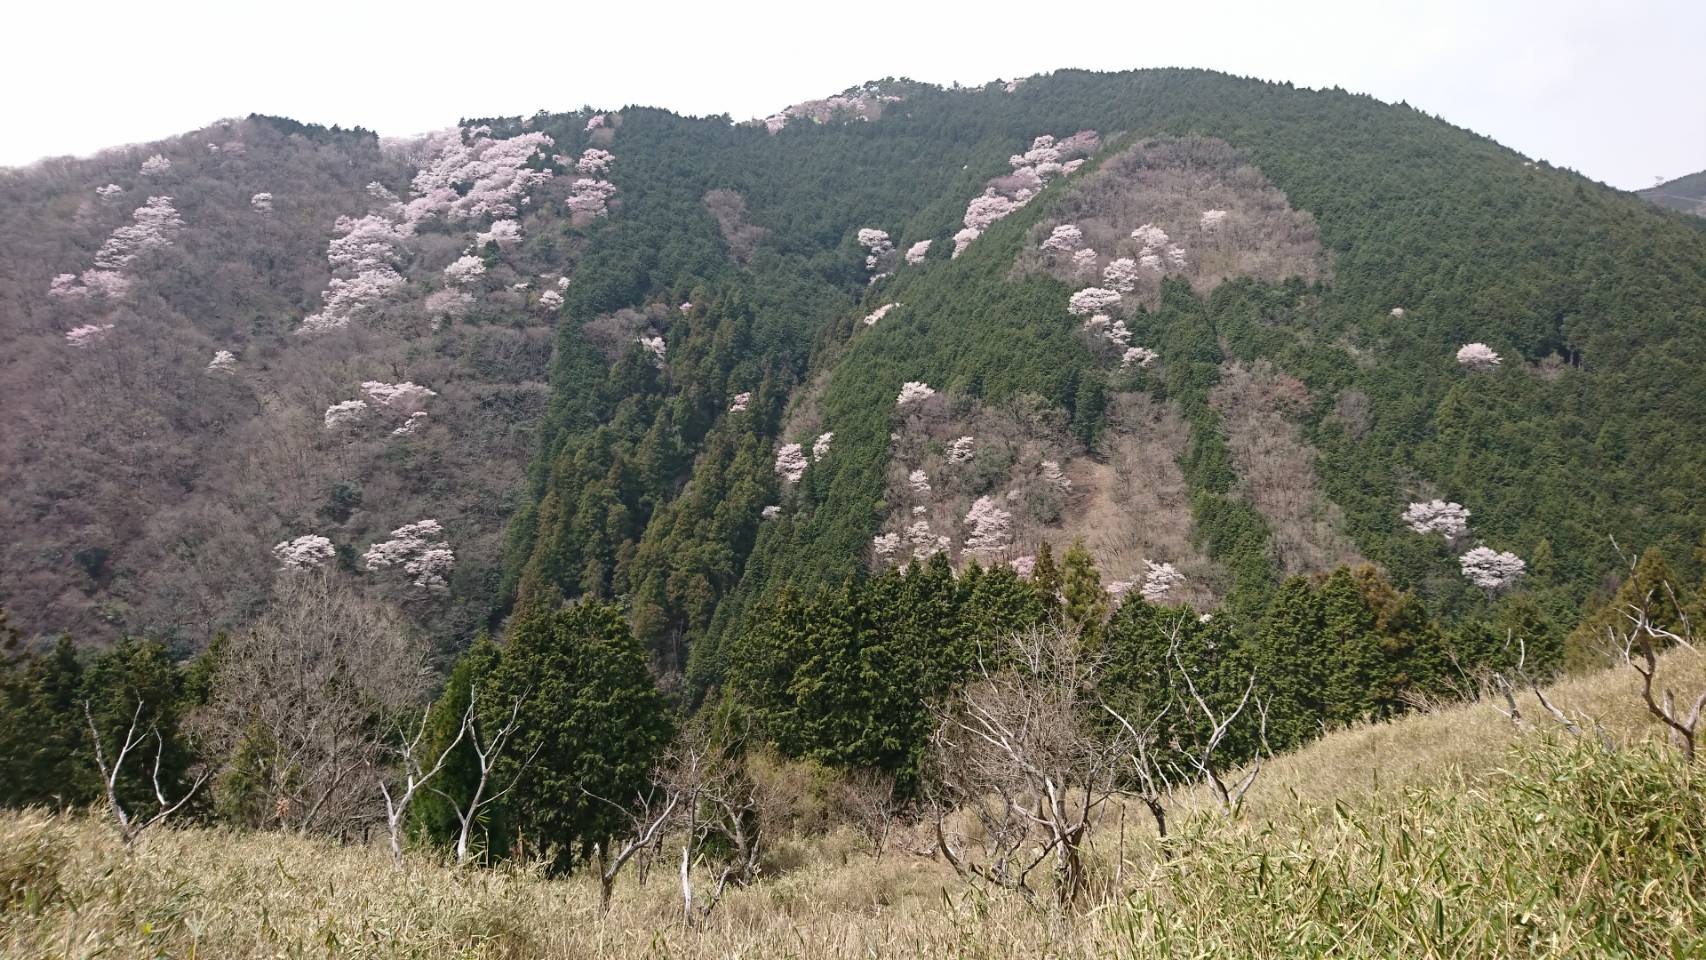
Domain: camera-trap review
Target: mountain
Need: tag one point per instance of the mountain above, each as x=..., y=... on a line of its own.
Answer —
x=1687, y=194
x=568, y=354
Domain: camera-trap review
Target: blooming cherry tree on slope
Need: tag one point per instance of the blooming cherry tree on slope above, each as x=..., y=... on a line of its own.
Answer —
x=1064, y=239
x=504, y=233
x=1121, y=275
x=304, y=552
x=262, y=202
x=989, y=527
x=224, y=361
x=1161, y=579
x=87, y=335
x=879, y=313
x=740, y=402
x=918, y=481
x=465, y=271
x=1491, y=570
x=419, y=549
x=913, y=391
x=1437, y=516
x=791, y=463
x=156, y=166
x=916, y=253
x=820, y=446
x=1092, y=300
x=1478, y=356
x=960, y=451
x=345, y=414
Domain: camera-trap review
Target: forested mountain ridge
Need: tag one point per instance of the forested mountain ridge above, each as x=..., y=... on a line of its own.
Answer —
x=1685, y=193
x=609, y=379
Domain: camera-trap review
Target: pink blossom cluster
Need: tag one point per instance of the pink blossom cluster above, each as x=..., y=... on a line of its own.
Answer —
x=590, y=196
x=88, y=334
x=918, y=481
x=1161, y=579
x=740, y=402
x=108, y=284
x=551, y=300
x=1121, y=275
x=155, y=166
x=877, y=246
x=925, y=543
x=1084, y=263
x=1478, y=356
x=1023, y=566
x=478, y=179
x=1003, y=195
x=154, y=225
x=595, y=122
x=464, y=271
x=916, y=253
x=594, y=162
x=418, y=549
x=1118, y=335
x=405, y=397
x=885, y=545
x=1490, y=569
x=1092, y=300
x=1141, y=356
x=408, y=427
x=988, y=526
x=1065, y=238
x=791, y=463
x=1450, y=520
x=820, y=446
x=304, y=552
x=366, y=251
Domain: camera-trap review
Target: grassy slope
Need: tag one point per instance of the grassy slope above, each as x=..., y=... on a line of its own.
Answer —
x=1448, y=834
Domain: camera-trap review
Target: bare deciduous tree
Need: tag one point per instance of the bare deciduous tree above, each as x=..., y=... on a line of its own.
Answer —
x=131, y=823
x=486, y=754
x=414, y=775
x=1018, y=751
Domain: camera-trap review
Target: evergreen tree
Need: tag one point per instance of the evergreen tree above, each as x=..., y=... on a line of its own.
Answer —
x=1085, y=602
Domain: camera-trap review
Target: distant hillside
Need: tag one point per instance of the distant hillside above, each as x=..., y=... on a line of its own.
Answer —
x=1226, y=332
x=1687, y=194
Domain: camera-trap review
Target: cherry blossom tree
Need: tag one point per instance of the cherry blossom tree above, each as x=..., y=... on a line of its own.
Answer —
x=771, y=512
x=1212, y=220
x=504, y=233
x=346, y=414
x=1150, y=237
x=591, y=197
x=408, y=427
x=154, y=226
x=1084, y=263
x=960, y=451
x=64, y=286
x=989, y=527
x=1092, y=300
x=88, y=335
x=405, y=397
x=1070, y=167
x=987, y=209
x=885, y=545
x=791, y=463
x=655, y=346
x=1117, y=589
x=366, y=243
x=1054, y=477
x=594, y=162
x=1118, y=335
x=1176, y=257
x=1397, y=312
x=1450, y=520
x=820, y=446
x=1160, y=580
x=367, y=248
x=156, y=166
x=919, y=482
x=913, y=391
x=1081, y=144
x=1064, y=239
x=877, y=245
x=1121, y=275
x=466, y=270
x=1491, y=570
x=483, y=178
x=1141, y=356
x=1477, y=356
x=596, y=121
x=963, y=239
x=111, y=191
x=551, y=300
x=879, y=313
x=1023, y=566
x=419, y=549
x=925, y=544
x=304, y=552
x=1151, y=262
x=444, y=305
x=224, y=361
x=916, y=253
x=262, y=202
x=740, y=402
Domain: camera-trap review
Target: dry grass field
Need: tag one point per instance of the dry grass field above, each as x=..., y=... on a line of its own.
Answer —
x=1451, y=833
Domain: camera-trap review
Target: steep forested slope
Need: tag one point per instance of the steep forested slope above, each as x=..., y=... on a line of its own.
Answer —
x=714, y=313
x=1687, y=193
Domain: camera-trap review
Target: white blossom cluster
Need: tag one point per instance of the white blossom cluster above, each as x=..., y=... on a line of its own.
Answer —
x=885, y=545
x=366, y=252
x=304, y=552
x=479, y=179
x=405, y=397
x=155, y=166
x=925, y=543
x=551, y=300
x=595, y=122
x=1032, y=170
x=408, y=427
x=594, y=162
x=916, y=253
x=154, y=225
x=591, y=196
x=419, y=550
x=791, y=463
x=655, y=346
x=1121, y=275
x=346, y=414
x=1478, y=356
x=988, y=526
x=464, y=271
x=1117, y=589
x=504, y=233
x=1023, y=566
x=771, y=512
x=740, y=402
x=1141, y=356
x=1450, y=520
x=1054, y=476
x=262, y=202
x=877, y=246
x=1065, y=238
x=111, y=191
x=1160, y=580
x=919, y=481
x=820, y=446
x=913, y=391
x=1084, y=263
x=1091, y=300
x=224, y=361
x=1212, y=220
x=879, y=313
x=1490, y=569
x=960, y=450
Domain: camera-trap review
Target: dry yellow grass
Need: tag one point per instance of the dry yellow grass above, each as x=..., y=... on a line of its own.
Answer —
x=1411, y=816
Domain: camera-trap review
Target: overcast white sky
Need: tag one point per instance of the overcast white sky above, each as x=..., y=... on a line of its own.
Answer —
x=1615, y=90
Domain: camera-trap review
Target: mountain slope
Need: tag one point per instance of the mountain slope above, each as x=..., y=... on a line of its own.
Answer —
x=736, y=252
x=1686, y=193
